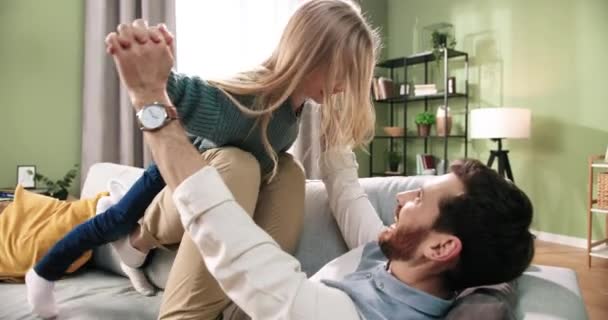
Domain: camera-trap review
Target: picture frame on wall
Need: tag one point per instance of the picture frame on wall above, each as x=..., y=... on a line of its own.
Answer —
x=606, y=155
x=26, y=176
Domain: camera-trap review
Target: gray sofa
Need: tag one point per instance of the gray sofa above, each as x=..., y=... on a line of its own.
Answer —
x=100, y=292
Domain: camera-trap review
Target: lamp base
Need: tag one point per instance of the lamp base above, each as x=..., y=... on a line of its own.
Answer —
x=504, y=166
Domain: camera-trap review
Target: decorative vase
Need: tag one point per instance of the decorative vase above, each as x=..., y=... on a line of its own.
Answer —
x=393, y=166
x=443, y=123
x=423, y=130
x=394, y=131
x=441, y=126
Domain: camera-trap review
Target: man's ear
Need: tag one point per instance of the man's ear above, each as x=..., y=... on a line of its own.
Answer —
x=442, y=247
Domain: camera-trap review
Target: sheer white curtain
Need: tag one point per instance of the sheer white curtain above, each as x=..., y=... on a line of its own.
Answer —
x=219, y=38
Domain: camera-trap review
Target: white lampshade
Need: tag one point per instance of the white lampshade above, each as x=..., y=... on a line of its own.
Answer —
x=494, y=123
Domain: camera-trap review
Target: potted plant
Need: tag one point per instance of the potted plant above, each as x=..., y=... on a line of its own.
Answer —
x=394, y=160
x=424, y=121
x=441, y=41
x=58, y=189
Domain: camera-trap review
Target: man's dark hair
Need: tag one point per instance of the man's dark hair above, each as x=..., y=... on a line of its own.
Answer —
x=492, y=220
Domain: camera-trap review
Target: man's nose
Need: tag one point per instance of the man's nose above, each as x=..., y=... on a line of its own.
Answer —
x=404, y=197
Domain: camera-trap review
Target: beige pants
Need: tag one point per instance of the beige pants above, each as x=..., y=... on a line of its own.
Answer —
x=277, y=207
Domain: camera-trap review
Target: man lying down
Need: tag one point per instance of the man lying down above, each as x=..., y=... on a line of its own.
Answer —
x=464, y=229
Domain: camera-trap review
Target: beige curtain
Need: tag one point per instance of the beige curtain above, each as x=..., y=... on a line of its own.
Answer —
x=109, y=130
x=307, y=147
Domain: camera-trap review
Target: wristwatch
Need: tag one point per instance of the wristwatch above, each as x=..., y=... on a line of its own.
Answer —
x=155, y=116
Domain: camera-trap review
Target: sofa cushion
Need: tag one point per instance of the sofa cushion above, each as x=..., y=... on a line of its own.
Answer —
x=487, y=302
x=32, y=224
x=87, y=295
x=158, y=266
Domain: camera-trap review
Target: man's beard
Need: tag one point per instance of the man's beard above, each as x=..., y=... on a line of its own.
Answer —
x=399, y=244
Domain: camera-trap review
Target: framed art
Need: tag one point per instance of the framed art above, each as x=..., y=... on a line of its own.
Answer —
x=26, y=176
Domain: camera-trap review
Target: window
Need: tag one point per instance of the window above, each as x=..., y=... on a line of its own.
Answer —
x=219, y=38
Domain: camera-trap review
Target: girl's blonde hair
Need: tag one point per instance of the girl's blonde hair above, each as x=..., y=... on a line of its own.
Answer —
x=328, y=34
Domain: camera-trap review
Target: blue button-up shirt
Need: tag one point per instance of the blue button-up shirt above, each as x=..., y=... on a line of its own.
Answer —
x=379, y=295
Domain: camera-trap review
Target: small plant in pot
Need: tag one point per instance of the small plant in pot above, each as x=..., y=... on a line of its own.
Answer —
x=394, y=160
x=424, y=121
x=440, y=41
x=58, y=189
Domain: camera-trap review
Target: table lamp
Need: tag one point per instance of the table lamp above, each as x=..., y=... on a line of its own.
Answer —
x=497, y=124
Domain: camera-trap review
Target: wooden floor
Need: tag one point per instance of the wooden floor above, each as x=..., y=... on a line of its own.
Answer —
x=592, y=281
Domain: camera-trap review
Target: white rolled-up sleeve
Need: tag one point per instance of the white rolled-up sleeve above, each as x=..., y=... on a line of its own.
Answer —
x=356, y=217
x=249, y=265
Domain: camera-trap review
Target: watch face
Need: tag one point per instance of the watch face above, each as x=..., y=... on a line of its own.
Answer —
x=153, y=116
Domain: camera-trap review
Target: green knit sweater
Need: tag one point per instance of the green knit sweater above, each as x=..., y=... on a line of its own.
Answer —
x=212, y=120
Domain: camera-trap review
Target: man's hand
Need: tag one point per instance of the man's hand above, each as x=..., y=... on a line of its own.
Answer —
x=144, y=58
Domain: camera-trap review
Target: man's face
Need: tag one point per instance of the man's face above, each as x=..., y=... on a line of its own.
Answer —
x=415, y=215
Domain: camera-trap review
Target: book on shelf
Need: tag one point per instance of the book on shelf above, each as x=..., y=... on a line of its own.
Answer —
x=425, y=164
x=382, y=88
x=375, y=90
x=425, y=92
x=6, y=195
x=10, y=192
x=425, y=89
x=426, y=86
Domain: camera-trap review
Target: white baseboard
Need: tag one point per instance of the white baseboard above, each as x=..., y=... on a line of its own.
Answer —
x=561, y=239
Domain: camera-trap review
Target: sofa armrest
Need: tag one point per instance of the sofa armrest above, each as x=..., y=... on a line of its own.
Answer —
x=549, y=293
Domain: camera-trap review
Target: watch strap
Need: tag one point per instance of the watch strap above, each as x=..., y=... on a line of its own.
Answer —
x=171, y=112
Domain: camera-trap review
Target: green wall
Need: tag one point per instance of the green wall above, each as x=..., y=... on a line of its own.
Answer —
x=40, y=86
x=545, y=55
x=376, y=11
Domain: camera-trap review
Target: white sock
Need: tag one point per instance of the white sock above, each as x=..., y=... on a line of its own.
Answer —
x=138, y=280
x=40, y=295
x=127, y=253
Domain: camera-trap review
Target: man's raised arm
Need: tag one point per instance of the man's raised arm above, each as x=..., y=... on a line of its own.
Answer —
x=249, y=265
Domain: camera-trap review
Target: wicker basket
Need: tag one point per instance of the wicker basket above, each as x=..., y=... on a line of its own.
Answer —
x=602, y=190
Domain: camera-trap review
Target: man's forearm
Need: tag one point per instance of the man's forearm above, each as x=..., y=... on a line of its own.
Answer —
x=249, y=265
x=173, y=153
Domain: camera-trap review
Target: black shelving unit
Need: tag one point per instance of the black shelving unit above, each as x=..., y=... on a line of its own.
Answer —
x=424, y=58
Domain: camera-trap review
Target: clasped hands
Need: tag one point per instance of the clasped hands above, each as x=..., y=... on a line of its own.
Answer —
x=144, y=57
